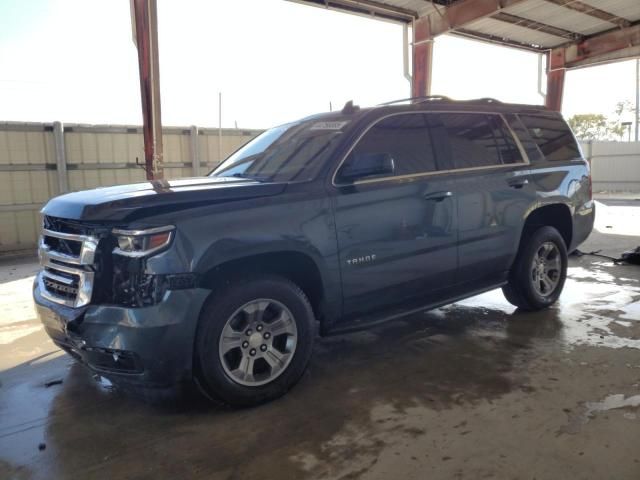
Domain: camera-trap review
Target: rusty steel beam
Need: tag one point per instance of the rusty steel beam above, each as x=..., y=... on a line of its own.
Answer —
x=422, y=69
x=422, y=59
x=592, y=11
x=460, y=14
x=146, y=37
x=555, y=89
x=597, y=48
x=534, y=25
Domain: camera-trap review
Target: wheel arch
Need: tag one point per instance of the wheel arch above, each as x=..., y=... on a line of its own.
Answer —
x=556, y=215
x=296, y=266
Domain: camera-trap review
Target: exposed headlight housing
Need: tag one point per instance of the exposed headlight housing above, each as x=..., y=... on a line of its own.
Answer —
x=140, y=243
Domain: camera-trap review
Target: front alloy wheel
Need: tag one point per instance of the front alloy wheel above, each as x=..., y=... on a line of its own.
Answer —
x=258, y=342
x=254, y=340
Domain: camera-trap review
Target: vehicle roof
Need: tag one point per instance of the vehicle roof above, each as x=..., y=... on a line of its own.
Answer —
x=434, y=103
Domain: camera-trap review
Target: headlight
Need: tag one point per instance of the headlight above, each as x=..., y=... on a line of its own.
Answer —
x=139, y=243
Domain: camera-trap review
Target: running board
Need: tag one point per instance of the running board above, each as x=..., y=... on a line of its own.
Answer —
x=362, y=323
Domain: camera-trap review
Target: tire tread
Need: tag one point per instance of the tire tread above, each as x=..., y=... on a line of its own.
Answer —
x=219, y=301
x=517, y=291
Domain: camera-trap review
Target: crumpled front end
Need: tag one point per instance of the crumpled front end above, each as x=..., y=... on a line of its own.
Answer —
x=129, y=325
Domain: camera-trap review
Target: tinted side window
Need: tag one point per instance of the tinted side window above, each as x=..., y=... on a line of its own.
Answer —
x=533, y=152
x=505, y=143
x=553, y=137
x=479, y=140
x=405, y=138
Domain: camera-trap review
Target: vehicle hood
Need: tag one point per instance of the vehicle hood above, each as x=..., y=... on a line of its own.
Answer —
x=150, y=198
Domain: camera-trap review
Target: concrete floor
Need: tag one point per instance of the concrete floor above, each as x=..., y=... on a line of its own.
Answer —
x=473, y=390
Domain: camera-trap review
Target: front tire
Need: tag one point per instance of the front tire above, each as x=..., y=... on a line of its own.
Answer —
x=539, y=272
x=254, y=341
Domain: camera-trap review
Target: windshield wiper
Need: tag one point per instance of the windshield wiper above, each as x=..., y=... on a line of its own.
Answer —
x=257, y=178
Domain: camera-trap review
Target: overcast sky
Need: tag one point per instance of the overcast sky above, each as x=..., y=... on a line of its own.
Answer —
x=273, y=61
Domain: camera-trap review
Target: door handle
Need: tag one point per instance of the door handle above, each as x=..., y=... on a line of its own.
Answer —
x=518, y=182
x=437, y=196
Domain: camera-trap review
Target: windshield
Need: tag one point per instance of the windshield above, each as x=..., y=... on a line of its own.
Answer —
x=294, y=152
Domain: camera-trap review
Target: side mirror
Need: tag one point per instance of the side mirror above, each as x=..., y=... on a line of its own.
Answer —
x=361, y=165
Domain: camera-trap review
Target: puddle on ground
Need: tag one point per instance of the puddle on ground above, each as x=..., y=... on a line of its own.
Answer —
x=631, y=311
x=596, y=308
x=589, y=410
x=613, y=402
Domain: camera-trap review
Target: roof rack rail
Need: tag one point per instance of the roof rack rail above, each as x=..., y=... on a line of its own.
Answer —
x=485, y=100
x=425, y=98
x=441, y=98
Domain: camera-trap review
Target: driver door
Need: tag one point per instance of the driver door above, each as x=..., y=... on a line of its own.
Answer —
x=396, y=230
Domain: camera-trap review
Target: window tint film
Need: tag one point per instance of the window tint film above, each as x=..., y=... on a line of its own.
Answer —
x=505, y=143
x=529, y=146
x=553, y=137
x=404, y=139
x=479, y=140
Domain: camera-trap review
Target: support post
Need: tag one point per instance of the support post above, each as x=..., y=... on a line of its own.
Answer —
x=145, y=24
x=637, y=119
x=422, y=59
x=590, y=152
x=555, y=80
x=219, y=127
x=195, y=151
x=541, y=91
x=61, y=157
x=405, y=55
x=555, y=89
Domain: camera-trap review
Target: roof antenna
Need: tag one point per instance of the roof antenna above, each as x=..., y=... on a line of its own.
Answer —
x=349, y=108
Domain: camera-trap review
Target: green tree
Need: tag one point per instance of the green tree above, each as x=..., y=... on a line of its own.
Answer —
x=624, y=109
x=590, y=126
x=596, y=126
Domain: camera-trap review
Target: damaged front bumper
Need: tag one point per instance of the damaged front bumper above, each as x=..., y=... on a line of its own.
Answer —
x=149, y=346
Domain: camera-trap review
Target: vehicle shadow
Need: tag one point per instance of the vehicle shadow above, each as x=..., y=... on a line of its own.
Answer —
x=459, y=355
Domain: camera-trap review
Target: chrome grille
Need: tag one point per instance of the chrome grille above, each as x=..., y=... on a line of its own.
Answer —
x=68, y=260
x=65, y=285
x=63, y=247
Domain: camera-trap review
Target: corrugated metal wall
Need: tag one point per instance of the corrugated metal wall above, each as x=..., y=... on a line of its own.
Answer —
x=27, y=179
x=96, y=155
x=615, y=166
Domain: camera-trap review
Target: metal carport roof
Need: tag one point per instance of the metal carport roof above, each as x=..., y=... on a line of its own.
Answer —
x=537, y=25
x=572, y=33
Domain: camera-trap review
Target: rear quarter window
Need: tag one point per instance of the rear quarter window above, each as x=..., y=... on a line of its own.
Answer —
x=478, y=140
x=552, y=136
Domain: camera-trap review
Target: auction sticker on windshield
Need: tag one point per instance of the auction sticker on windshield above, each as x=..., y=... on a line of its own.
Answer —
x=328, y=125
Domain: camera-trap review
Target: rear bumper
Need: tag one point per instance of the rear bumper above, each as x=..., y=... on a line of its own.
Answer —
x=583, y=220
x=149, y=347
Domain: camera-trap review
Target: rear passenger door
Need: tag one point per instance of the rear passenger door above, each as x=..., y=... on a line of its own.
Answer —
x=396, y=231
x=492, y=192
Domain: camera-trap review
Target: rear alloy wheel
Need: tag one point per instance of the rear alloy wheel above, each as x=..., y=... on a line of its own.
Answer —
x=254, y=341
x=539, y=271
x=546, y=269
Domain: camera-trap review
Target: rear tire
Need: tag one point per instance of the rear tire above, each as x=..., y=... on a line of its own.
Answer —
x=254, y=341
x=539, y=271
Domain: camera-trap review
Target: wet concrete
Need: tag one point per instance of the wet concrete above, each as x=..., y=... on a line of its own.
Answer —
x=473, y=390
